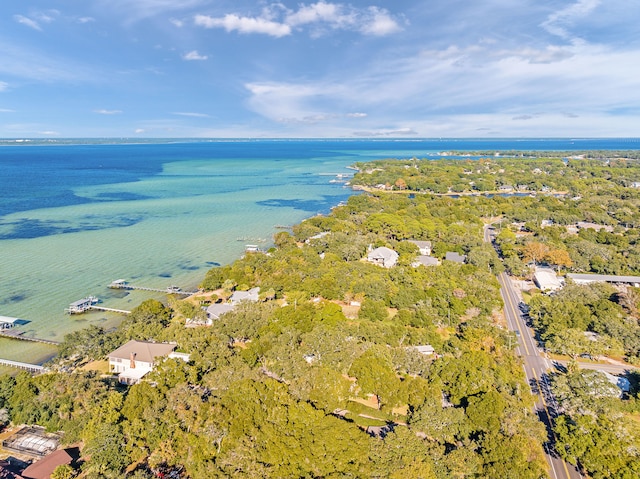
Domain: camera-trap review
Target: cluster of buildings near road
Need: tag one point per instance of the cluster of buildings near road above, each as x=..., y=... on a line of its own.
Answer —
x=548, y=281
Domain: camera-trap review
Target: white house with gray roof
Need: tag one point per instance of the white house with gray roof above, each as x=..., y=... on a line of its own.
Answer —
x=423, y=246
x=383, y=256
x=133, y=360
x=216, y=310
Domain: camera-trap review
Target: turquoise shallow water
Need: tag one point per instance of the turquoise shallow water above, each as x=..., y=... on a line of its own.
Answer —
x=163, y=229
x=74, y=217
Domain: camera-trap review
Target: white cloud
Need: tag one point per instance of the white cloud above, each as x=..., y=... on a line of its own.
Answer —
x=27, y=22
x=278, y=21
x=6, y=110
x=356, y=115
x=37, y=18
x=191, y=114
x=48, y=133
x=194, y=55
x=46, y=16
x=139, y=130
x=86, y=20
x=4, y=86
x=177, y=23
x=558, y=23
x=318, y=12
x=233, y=22
x=380, y=23
x=550, y=54
x=477, y=83
x=107, y=112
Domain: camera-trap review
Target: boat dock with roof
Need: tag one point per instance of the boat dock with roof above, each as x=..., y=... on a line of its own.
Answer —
x=7, y=322
x=82, y=305
x=8, y=330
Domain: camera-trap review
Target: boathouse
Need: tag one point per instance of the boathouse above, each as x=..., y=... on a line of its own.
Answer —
x=81, y=305
x=7, y=322
x=118, y=284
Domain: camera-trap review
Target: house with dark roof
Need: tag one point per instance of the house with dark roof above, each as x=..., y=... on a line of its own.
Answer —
x=133, y=360
x=8, y=471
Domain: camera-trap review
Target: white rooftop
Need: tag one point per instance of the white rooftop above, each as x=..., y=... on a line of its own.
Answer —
x=8, y=320
x=546, y=279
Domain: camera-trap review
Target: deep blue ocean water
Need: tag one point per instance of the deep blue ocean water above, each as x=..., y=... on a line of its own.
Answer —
x=77, y=214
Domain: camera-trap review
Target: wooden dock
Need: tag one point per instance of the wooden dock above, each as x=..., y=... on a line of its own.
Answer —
x=111, y=310
x=34, y=368
x=123, y=284
x=15, y=334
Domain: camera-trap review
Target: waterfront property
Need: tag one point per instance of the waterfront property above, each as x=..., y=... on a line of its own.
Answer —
x=133, y=360
x=216, y=310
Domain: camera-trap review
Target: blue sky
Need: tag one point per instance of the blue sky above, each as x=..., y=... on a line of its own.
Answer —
x=401, y=68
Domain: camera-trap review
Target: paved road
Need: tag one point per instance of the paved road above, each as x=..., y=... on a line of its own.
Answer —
x=535, y=368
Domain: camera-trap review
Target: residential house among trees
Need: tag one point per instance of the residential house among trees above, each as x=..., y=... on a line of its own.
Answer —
x=383, y=256
x=423, y=260
x=423, y=246
x=43, y=469
x=135, y=359
x=218, y=309
x=455, y=257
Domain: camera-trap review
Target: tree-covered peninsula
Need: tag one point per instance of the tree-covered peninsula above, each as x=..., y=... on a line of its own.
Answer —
x=355, y=362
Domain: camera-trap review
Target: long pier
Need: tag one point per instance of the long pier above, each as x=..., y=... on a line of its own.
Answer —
x=14, y=334
x=112, y=310
x=123, y=284
x=34, y=368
